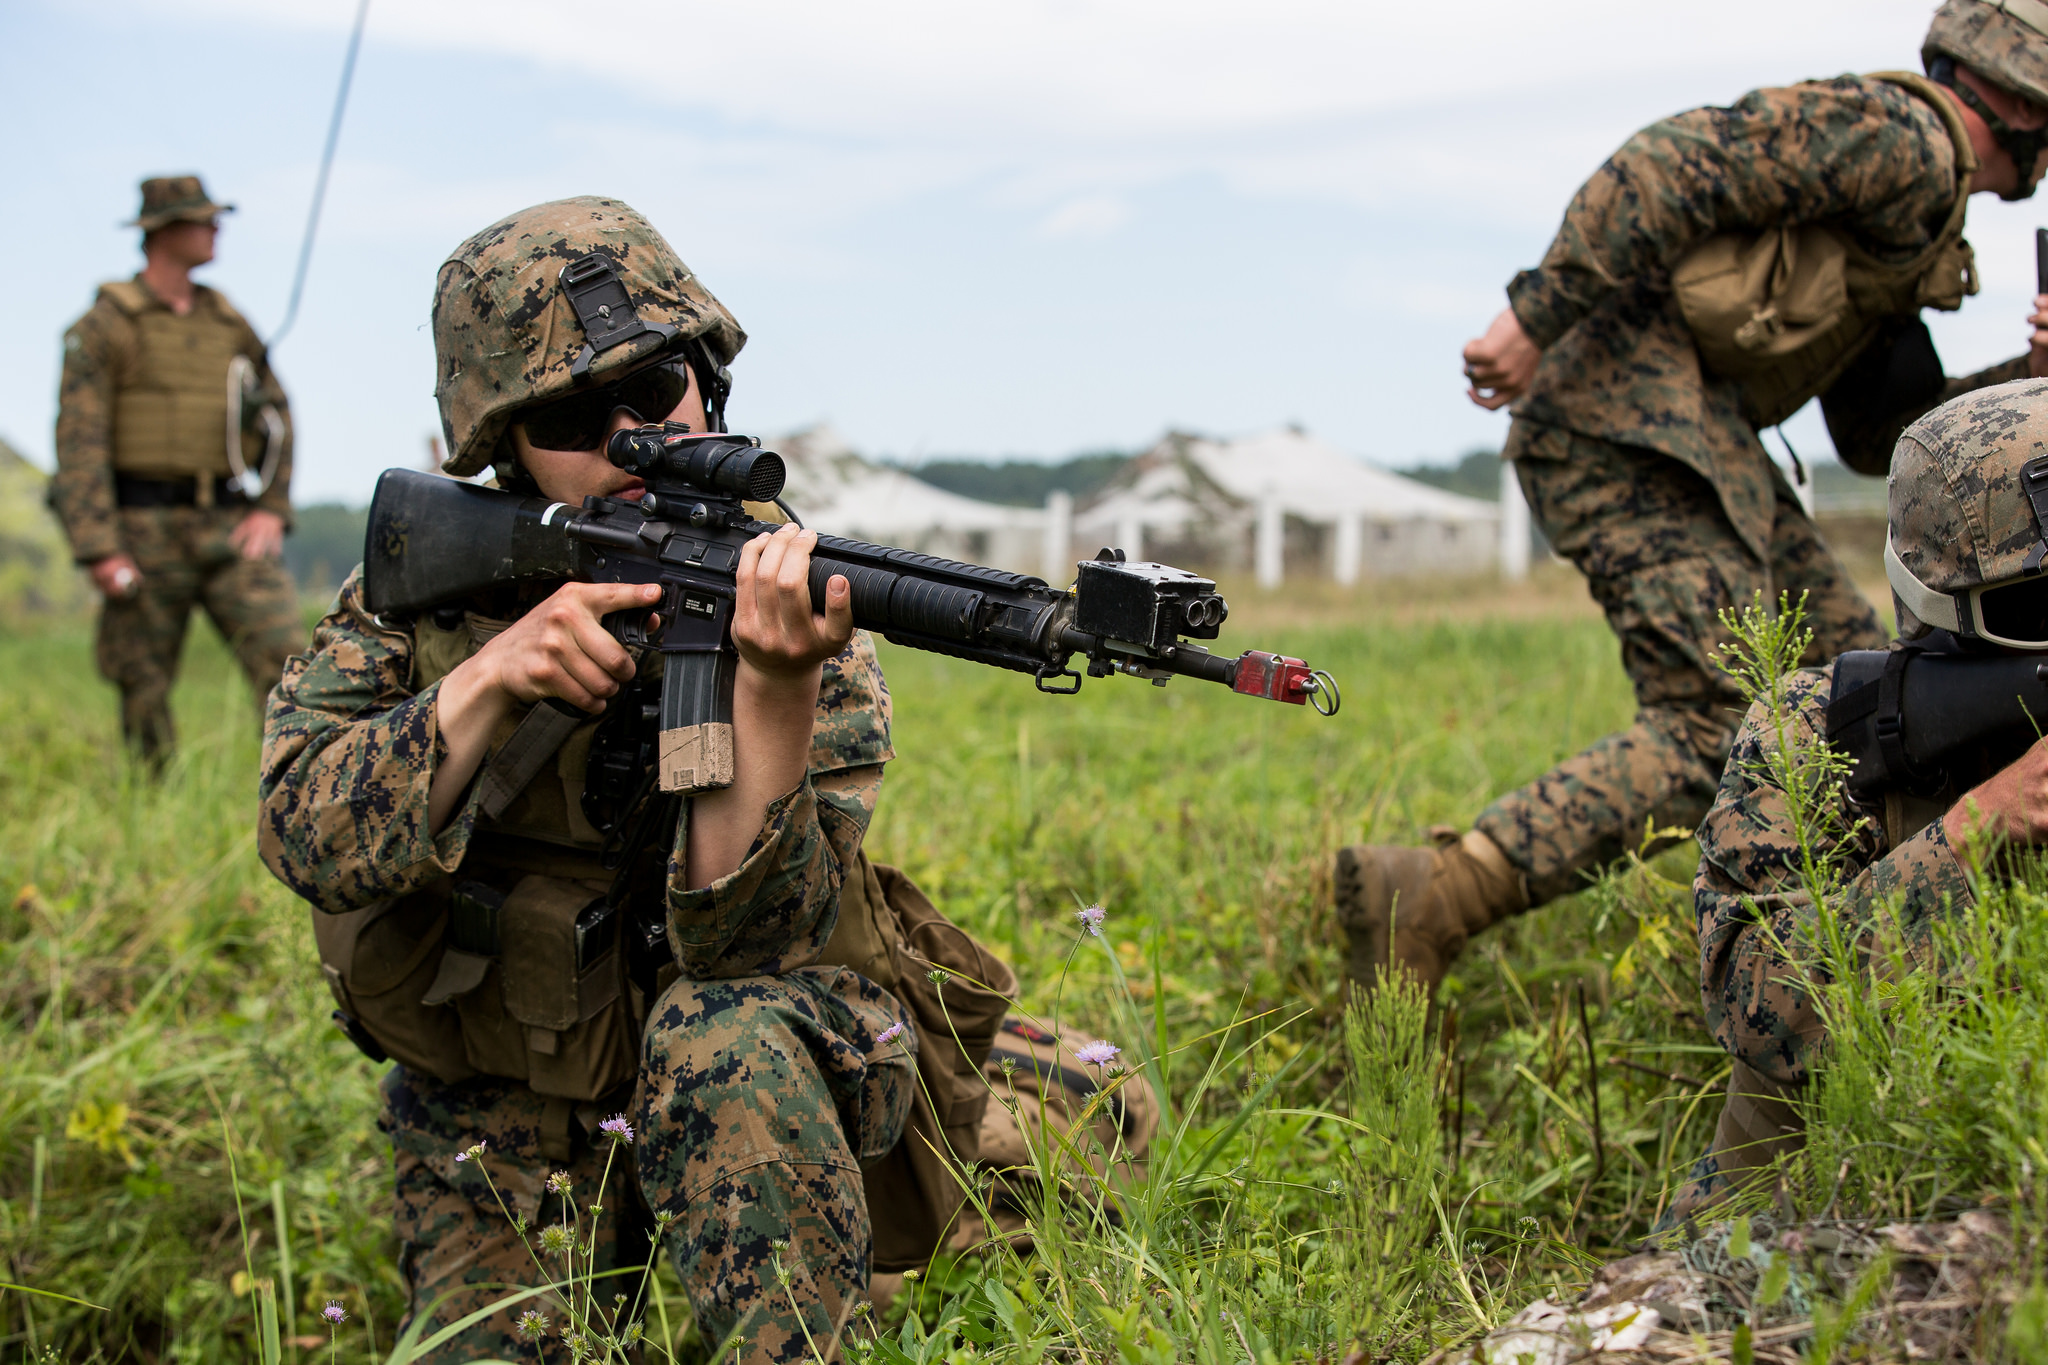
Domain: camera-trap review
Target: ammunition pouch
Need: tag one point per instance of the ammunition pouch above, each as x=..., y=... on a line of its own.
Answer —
x=379, y=962
x=528, y=983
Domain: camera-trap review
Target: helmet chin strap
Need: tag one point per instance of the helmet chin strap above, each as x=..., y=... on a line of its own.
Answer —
x=2024, y=146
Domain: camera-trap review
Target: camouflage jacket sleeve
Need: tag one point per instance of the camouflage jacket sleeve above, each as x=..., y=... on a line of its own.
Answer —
x=1756, y=921
x=775, y=912
x=349, y=755
x=97, y=348
x=1862, y=154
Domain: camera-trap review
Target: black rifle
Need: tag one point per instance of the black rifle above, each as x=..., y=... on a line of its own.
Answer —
x=1921, y=720
x=434, y=541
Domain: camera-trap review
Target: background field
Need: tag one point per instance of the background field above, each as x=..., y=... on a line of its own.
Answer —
x=156, y=987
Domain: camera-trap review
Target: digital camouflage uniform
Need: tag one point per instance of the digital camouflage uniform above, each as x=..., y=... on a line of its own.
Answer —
x=1958, y=517
x=1644, y=470
x=142, y=409
x=762, y=1088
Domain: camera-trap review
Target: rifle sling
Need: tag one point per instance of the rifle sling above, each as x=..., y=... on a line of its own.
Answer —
x=1890, y=727
x=531, y=748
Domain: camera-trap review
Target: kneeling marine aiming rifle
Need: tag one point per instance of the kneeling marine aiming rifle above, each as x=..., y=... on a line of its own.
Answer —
x=434, y=541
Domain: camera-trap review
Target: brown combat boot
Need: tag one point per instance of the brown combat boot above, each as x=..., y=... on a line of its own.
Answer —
x=1417, y=906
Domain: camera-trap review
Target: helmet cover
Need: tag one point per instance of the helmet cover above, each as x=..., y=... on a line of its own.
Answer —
x=2005, y=41
x=1958, y=516
x=507, y=336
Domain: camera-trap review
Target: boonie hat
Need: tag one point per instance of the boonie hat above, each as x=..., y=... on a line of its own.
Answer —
x=168, y=199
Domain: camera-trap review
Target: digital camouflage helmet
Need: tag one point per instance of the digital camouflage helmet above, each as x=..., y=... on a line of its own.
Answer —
x=1966, y=548
x=556, y=298
x=2005, y=42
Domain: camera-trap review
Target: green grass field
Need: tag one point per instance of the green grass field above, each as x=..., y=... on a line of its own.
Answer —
x=161, y=1010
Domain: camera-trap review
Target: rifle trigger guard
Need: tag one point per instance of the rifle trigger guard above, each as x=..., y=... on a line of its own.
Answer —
x=1048, y=672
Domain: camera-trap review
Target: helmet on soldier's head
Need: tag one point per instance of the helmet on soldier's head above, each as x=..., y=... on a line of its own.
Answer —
x=2005, y=42
x=556, y=298
x=1966, y=544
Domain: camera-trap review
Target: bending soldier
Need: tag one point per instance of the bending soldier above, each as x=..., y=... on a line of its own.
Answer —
x=174, y=468
x=1720, y=270
x=481, y=864
x=1968, y=538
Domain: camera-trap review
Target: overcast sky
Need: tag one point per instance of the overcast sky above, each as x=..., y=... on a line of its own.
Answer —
x=951, y=227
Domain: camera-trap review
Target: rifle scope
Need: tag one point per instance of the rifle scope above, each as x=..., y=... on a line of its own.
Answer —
x=711, y=462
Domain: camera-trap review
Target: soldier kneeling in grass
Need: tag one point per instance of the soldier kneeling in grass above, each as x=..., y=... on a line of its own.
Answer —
x=1932, y=791
x=764, y=1049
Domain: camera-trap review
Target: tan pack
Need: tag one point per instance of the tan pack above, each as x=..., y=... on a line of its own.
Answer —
x=1786, y=311
x=1044, y=1092
x=891, y=933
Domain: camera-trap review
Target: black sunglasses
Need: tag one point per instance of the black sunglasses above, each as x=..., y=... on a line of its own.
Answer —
x=581, y=421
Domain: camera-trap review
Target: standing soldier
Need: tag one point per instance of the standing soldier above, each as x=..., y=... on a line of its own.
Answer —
x=1723, y=268
x=174, y=468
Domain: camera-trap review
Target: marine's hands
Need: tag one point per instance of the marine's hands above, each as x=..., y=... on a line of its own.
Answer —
x=2037, y=344
x=561, y=648
x=558, y=649
x=778, y=634
x=2011, y=806
x=116, y=577
x=1499, y=365
x=260, y=535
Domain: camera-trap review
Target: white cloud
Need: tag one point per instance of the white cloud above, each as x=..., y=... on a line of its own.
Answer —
x=940, y=70
x=925, y=209
x=1095, y=215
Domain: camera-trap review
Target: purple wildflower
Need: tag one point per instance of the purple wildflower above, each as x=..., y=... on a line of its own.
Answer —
x=888, y=1035
x=559, y=1182
x=1097, y=1053
x=532, y=1325
x=1092, y=918
x=616, y=1128
x=334, y=1312
x=471, y=1153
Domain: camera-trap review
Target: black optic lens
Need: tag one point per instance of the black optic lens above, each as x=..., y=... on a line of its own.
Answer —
x=582, y=420
x=2016, y=611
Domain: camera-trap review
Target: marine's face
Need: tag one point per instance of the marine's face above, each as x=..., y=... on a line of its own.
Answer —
x=572, y=475
x=185, y=244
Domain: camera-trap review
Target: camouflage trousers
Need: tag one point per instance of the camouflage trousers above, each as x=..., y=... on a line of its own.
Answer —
x=759, y=1099
x=1663, y=561
x=186, y=561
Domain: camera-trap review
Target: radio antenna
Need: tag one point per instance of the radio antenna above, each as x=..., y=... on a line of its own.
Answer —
x=348, y=71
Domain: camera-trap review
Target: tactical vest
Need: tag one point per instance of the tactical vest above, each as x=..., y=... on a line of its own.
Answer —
x=1786, y=311
x=513, y=967
x=171, y=408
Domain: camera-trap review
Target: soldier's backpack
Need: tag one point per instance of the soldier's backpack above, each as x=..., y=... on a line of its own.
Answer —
x=1052, y=1112
x=1785, y=311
